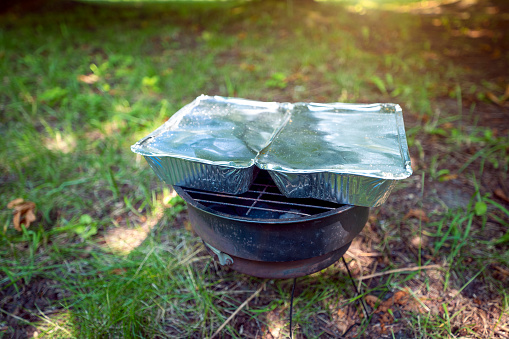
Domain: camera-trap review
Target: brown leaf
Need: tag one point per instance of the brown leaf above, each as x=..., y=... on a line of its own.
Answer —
x=23, y=213
x=494, y=98
x=502, y=270
x=386, y=305
x=447, y=125
x=88, y=79
x=418, y=241
x=29, y=218
x=424, y=118
x=418, y=214
x=372, y=300
x=26, y=206
x=14, y=203
x=16, y=221
x=401, y=297
x=499, y=193
x=247, y=67
x=413, y=306
x=118, y=271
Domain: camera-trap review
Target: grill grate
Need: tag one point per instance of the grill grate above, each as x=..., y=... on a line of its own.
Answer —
x=263, y=200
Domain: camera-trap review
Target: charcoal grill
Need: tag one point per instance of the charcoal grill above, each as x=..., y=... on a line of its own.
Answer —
x=265, y=234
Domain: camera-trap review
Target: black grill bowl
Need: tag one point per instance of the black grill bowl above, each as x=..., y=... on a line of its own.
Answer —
x=270, y=236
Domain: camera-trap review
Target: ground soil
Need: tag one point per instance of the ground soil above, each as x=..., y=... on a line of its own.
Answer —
x=27, y=302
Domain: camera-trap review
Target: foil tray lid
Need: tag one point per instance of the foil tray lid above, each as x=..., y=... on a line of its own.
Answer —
x=366, y=140
x=355, y=139
x=217, y=131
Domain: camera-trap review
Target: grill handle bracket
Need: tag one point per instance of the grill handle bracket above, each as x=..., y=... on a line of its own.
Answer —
x=224, y=259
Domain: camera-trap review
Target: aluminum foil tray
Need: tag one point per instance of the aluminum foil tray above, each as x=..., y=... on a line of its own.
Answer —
x=345, y=153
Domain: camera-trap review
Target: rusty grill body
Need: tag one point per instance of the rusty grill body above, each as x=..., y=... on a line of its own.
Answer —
x=265, y=234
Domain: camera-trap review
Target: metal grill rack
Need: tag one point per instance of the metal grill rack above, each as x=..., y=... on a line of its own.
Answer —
x=263, y=200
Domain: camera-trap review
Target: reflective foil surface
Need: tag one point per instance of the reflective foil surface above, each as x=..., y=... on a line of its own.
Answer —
x=345, y=153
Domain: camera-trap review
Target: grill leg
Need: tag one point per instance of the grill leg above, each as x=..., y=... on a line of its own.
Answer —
x=291, y=306
x=357, y=294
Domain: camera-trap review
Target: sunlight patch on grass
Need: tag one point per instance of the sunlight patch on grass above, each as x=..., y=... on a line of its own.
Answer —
x=63, y=143
x=124, y=239
x=55, y=325
x=401, y=6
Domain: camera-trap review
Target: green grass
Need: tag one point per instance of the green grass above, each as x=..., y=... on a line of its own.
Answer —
x=82, y=82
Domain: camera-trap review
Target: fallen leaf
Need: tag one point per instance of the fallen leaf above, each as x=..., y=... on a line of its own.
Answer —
x=418, y=214
x=23, y=213
x=30, y=217
x=88, y=79
x=447, y=125
x=118, y=271
x=372, y=300
x=384, y=306
x=16, y=221
x=386, y=318
x=401, y=297
x=414, y=306
x=499, y=193
x=503, y=270
x=424, y=118
x=418, y=241
x=247, y=67
x=493, y=98
x=14, y=203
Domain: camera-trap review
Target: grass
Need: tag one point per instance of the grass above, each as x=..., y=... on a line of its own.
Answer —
x=82, y=82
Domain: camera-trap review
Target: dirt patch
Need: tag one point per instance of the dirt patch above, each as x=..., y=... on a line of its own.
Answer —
x=22, y=303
